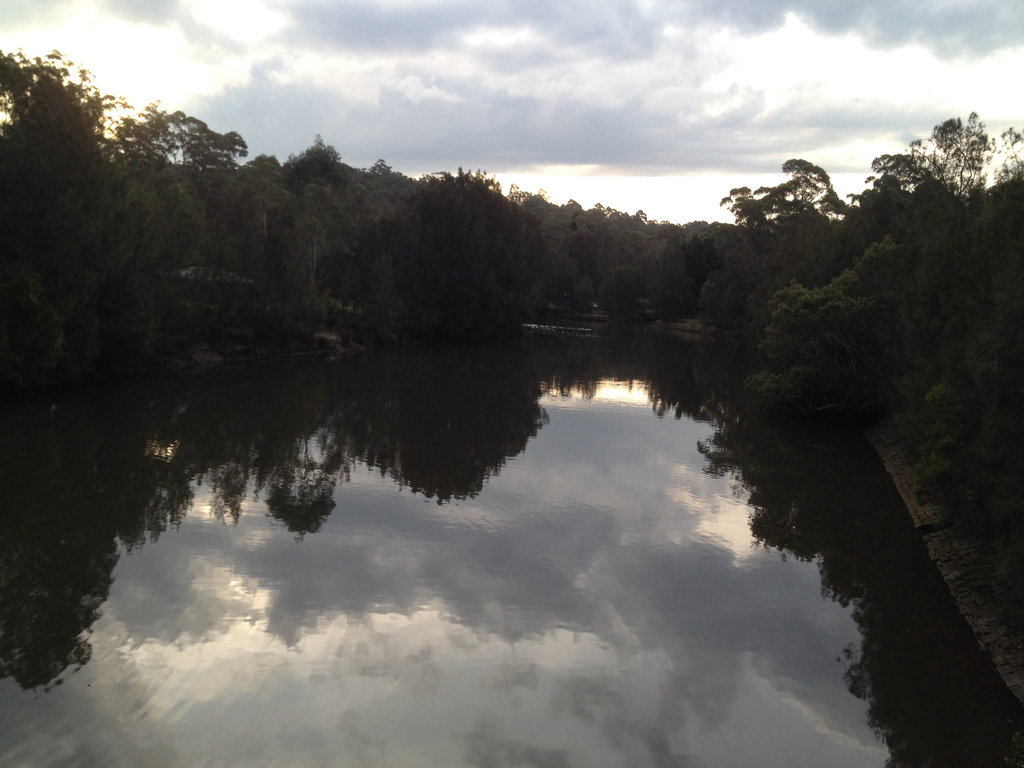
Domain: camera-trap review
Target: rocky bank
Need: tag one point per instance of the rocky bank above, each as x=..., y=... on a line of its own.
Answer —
x=964, y=562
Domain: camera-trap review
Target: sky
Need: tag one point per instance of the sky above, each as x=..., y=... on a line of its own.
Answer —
x=654, y=105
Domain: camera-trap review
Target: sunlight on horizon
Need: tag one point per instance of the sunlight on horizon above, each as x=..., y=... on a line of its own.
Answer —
x=675, y=199
x=140, y=63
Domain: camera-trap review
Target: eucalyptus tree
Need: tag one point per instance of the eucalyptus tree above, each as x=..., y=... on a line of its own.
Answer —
x=784, y=233
x=56, y=195
x=158, y=137
x=955, y=156
x=466, y=259
x=324, y=227
x=1012, y=150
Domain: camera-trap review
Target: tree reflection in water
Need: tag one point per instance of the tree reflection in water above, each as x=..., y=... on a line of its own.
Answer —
x=111, y=470
x=817, y=494
x=117, y=466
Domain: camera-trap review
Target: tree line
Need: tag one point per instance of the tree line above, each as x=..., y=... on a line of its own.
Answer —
x=905, y=303
x=127, y=239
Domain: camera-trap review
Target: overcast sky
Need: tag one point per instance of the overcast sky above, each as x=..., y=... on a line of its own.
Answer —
x=638, y=104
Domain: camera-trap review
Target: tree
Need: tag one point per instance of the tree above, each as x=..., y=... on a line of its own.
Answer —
x=31, y=336
x=319, y=182
x=787, y=233
x=1012, y=150
x=955, y=155
x=156, y=137
x=265, y=179
x=820, y=346
x=808, y=190
x=623, y=288
x=465, y=259
x=57, y=196
x=319, y=163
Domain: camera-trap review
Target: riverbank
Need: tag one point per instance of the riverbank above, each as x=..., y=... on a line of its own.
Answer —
x=319, y=342
x=965, y=562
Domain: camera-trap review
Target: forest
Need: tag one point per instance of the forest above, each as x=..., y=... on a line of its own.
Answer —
x=128, y=239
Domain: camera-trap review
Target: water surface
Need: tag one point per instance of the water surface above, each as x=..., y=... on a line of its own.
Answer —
x=576, y=549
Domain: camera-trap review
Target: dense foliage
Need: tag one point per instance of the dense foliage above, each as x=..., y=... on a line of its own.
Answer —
x=130, y=239
x=908, y=303
x=127, y=240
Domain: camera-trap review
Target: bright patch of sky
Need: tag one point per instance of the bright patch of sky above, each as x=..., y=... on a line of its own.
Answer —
x=242, y=20
x=639, y=105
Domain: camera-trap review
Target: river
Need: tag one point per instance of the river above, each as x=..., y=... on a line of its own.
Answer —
x=577, y=548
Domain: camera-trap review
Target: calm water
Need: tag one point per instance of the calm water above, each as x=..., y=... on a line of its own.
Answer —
x=572, y=550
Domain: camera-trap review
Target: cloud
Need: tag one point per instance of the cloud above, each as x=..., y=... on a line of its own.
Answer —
x=960, y=27
x=619, y=88
x=955, y=27
x=146, y=11
x=626, y=31
x=19, y=14
x=398, y=28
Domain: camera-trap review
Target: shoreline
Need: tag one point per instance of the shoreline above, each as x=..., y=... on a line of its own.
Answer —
x=959, y=559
